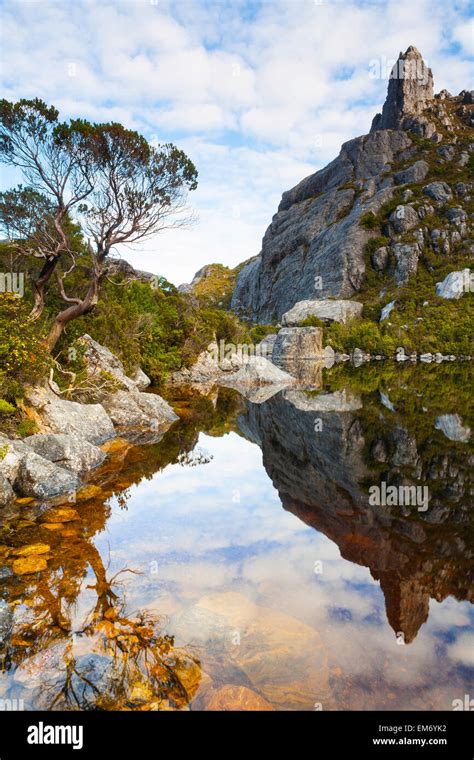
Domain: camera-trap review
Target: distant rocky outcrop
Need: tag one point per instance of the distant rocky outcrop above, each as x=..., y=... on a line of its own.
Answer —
x=316, y=247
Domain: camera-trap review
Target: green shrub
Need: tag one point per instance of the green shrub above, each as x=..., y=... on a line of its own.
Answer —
x=369, y=220
x=6, y=408
x=27, y=427
x=312, y=321
x=23, y=356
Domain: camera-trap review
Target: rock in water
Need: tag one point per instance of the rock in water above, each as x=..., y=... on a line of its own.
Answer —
x=56, y=415
x=231, y=697
x=6, y=491
x=43, y=479
x=256, y=371
x=6, y=622
x=68, y=451
x=297, y=343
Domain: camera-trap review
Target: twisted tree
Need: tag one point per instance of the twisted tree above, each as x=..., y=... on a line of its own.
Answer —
x=119, y=188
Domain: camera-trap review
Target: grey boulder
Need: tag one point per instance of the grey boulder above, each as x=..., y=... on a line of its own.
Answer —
x=438, y=191
x=6, y=491
x=42, y=479
x=138, y=409
x=68, y=451
x=327, y=310
x=296, y=343
x=455, y=284
x=413, y=174
x=256, y=371
x=89, y=421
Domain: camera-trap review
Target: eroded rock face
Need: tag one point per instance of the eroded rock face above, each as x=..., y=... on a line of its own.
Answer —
x=328, y=311
x=410, y=90
x=314, y=247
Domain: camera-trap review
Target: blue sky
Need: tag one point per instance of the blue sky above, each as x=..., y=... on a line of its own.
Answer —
x=259, y=94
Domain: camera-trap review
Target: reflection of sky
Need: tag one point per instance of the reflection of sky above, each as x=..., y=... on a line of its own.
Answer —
x=220, y=527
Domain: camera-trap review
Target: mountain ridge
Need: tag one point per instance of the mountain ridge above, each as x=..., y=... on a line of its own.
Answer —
x=317, y=243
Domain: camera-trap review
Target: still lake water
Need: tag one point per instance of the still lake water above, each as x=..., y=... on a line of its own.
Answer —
x=237, y=562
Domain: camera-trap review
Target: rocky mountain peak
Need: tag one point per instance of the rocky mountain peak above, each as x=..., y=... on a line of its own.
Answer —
x=410, y=89
x=394, y=201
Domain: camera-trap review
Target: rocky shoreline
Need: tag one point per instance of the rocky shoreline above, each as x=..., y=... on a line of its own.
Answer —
x=72, y=435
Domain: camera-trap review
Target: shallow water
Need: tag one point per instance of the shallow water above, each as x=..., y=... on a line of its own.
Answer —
x=237, y=563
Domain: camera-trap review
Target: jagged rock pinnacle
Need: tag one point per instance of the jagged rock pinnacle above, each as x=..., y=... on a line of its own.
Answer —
x=410, y=89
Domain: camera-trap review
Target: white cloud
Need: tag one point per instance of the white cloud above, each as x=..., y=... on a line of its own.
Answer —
x=259, y=97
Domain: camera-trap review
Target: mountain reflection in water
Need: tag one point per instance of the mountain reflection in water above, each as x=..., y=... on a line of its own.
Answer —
x=177, y=581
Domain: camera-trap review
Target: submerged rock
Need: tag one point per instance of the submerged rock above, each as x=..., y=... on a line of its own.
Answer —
x=280, y=657
x=28, y=565
x=236, y=698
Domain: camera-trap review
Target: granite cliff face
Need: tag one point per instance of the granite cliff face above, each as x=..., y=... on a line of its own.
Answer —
x=315, y=247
